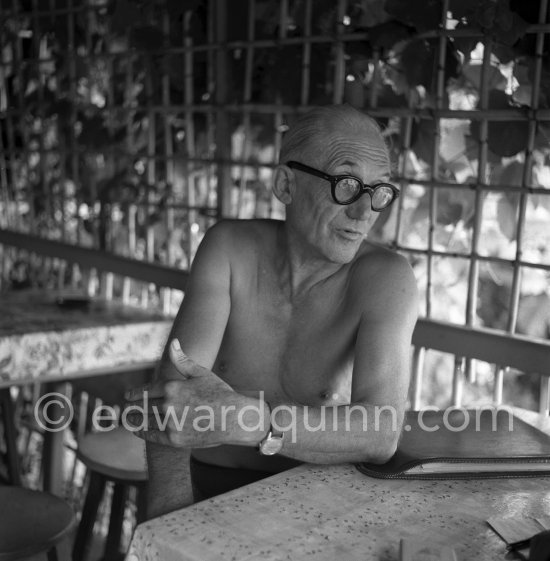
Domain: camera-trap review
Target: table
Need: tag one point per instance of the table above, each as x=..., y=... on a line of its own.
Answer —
x=335, y=512
x=43, y=342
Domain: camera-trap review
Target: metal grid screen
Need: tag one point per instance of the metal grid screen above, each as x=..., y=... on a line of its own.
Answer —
x=133, y=126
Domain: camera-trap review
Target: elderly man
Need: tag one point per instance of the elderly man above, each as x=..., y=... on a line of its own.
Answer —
x=296, y=334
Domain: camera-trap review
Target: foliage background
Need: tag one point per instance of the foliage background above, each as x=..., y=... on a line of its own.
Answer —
x=109, y=116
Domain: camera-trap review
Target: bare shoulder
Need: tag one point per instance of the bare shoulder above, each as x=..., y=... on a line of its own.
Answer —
x=380, y=263
x=241, y=238
x=241, y=234
x=383, y=279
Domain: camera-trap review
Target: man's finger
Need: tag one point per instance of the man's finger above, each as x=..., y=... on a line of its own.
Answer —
x=152, y=391
x=183, y=363
x=148, y=420
x=148, y=407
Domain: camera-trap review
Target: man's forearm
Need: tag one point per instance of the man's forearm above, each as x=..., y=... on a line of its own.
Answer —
x=344, y=433
x=169, y=486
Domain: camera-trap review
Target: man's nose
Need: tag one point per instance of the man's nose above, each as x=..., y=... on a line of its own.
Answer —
x=360, y=209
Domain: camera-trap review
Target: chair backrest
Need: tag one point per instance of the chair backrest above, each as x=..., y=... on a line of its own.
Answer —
x=465, y=343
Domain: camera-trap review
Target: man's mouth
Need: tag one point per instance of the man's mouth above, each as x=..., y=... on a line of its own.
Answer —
x=350, y=234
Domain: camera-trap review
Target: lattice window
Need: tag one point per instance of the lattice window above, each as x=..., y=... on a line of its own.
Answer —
x=132, y=126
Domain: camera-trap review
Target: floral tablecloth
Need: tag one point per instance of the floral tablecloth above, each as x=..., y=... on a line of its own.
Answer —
x=328, y=512
x=333, y=512
x=41, y=340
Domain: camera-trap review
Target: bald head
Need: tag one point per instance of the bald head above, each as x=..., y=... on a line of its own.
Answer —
x=310, y=136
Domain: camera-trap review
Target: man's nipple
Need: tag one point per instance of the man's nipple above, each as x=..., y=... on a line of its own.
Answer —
x=329, y=396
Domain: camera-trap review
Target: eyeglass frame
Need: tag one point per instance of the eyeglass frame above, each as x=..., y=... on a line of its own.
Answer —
x=335, y=179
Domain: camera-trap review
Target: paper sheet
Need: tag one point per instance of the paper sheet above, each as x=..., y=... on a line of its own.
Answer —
x=516, y=529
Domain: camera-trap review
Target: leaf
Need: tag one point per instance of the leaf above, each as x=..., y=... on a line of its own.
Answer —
x=62, y=108
x=113, y=188
x=507, y=215
x=370, y=13
x=505, y=138
x=422, y=14
x=534, y=319
x=472, y=147
x=323, y=19
x=449, y=209
x=419, y=63
x=504, y=53
x=496, y=80
x=462, y=8
x=541, y=200
x=422, y=139
x=323, y=15
x=386, y=35
x=5, y=362
x=465, y=44
x=176, y=8
x=541, y=178
x=125, y=15
x=485, y=14
x=40, y=105
x=147, y=37
x=388, y=98
x=542, y=139
x=496, y=19
x=510, y=27
x=509, y=174
x=280, y=76
x=94, y=133
x=523, y=94
x=237, y=21
x=354, y=93
x=527, y=10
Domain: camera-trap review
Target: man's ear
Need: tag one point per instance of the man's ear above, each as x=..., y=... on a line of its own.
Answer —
x=284, y=184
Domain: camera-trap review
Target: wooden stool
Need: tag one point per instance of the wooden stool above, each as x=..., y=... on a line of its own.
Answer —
x=32, y=522
x=115, y=456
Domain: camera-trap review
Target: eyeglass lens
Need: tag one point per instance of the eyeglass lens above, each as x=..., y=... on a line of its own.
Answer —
x=348, y=189
x=382, y=197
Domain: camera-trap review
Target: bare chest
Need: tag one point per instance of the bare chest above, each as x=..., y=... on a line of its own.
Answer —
x=300, y=353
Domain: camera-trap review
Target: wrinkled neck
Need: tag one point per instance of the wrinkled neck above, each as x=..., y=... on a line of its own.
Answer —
x=299, y=268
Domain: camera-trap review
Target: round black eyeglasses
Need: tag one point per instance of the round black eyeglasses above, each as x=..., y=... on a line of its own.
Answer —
x=346, y=189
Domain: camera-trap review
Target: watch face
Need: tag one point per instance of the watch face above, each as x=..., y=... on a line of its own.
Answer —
x=271, y=445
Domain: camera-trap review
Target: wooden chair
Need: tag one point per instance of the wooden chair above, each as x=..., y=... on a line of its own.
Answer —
x=116, y=456
x=31, y=522
x=499, y=349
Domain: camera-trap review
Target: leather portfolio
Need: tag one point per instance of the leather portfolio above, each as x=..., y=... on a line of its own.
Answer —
x=465, y=443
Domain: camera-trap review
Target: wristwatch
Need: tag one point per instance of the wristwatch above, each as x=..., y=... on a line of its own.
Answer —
x=272, y=443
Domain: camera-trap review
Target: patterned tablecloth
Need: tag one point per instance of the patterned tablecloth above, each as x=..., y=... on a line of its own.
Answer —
x=335, y=512
x=41, y=339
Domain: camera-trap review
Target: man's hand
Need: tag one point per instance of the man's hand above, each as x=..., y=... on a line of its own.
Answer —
x=197, y=411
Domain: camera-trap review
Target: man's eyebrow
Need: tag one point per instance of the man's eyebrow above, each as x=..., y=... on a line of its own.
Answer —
x=352, y=163
x=337, y=164
x=345, y=163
